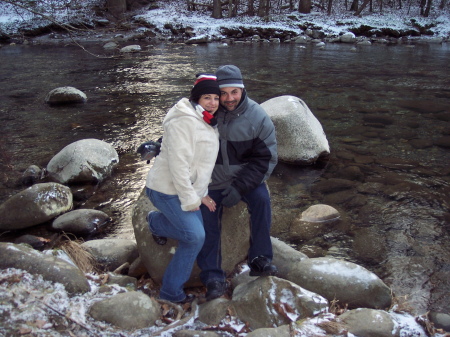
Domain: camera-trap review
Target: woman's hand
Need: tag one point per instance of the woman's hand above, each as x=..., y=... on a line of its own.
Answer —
x=208, y=202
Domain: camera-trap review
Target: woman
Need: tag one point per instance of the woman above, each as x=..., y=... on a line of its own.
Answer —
x=177, y=184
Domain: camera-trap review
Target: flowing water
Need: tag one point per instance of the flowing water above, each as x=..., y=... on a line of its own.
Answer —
x=384, y=109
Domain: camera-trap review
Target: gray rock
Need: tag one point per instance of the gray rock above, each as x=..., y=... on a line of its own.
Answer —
x=344, y=281
x=348, y=37
x=199, y=39
x=110, y=45
x=129, y=311
x=440, y=320
x=122, y=280
x=213, y=312
x=284, y=256
x=84, y=161
x=300, y=136
x=65, y=95
x=370, y=323
x=131, y=49
x=156, y=257
x=50, y=267
x=35, y=205
x=301, y=39
x=112, y=253
x=81, y=222
x=320, y=213
x=31, y=175
x=35, y=242
x=283, y=302
x=282, y=331
x=195, y=333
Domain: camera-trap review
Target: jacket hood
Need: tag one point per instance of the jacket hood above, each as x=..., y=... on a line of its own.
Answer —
x=184, y=108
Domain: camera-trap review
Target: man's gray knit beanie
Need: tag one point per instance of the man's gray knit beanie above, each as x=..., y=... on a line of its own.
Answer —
x=229, y=76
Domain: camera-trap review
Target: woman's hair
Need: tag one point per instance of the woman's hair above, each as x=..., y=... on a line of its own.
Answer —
x=204, y=84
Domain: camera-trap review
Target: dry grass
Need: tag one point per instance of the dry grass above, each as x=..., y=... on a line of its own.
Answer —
x=79, y=255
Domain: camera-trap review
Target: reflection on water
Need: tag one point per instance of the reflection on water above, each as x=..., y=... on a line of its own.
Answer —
x=384, y=110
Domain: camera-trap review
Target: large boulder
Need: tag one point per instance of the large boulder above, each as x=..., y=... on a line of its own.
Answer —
x=81, y=222
x=35, y=205
x=65, y=95
x=300, y=136
x=346, y=282
x=84, y=161
x=370, y=323
x=131, y=310
x=51, y=268
x=283, y=302
x=110, y=254
x=235, y=241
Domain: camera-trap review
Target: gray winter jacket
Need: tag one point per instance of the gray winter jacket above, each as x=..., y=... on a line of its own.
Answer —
x=248, y=147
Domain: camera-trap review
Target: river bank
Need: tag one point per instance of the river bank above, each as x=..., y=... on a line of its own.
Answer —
x=171, y=22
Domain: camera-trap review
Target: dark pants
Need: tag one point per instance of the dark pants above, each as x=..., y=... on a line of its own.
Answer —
x=210, y=257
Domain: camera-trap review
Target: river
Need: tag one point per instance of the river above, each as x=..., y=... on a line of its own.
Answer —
x=384, y=109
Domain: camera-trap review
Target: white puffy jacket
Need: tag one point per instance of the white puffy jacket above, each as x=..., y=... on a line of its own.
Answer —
x=188, y=154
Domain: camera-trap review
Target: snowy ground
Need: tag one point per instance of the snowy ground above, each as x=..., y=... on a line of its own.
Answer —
x=30, y=306
x=175, y=12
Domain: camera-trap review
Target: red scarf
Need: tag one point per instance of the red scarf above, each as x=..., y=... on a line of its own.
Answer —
x=208, y=118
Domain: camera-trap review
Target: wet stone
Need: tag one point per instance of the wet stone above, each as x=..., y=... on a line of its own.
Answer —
x=421, y=143
x=443, y=142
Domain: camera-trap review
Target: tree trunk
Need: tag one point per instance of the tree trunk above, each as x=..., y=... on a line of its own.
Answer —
x=217, y=9
x=354, y=5
x=422, y=5
x=330, y=5
x=190, y=5
x=365, y=3
x=304, y=6
x=263, y=9
x=232, y=8
x=427, y=10
x=442, y=4
x=251, y=8
x=291, y=4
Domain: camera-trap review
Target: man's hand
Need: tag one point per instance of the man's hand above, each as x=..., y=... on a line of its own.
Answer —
x=232, y=197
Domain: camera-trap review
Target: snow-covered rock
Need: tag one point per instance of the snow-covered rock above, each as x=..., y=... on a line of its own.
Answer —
x=300, y=136
x=86, y=160
x=65, y=95
x=348, y=37
x=35, y=205
x=50, y=267
x=340, y=280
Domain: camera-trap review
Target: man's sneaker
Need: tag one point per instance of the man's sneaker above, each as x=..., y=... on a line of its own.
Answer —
x=160, y=240
x=215, y=289
x=261, y=266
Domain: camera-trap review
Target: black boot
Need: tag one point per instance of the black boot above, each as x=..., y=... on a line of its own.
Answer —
x=261, y=266
x=215, y=289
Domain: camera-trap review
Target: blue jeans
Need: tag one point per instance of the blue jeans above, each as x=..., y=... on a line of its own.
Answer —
x=186, y=227
x=210, y=257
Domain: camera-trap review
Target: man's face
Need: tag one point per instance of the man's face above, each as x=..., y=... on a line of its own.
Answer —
x=230, y=97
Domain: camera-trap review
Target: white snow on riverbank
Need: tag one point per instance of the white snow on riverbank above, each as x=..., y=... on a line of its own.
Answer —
x=175, y=12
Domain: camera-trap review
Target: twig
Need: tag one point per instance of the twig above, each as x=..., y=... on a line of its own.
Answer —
x=178, y=322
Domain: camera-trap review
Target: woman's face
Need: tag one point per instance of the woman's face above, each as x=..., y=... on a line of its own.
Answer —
x=209, y=102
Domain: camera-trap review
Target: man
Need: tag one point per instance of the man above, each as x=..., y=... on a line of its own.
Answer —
x=247, y=157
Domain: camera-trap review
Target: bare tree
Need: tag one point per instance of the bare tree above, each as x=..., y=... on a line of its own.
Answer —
x=360, y=9
x=217, y=9
x=428, y=8
x=250, y=7
x=354, y=5
x=264, y=6
x=304, y=6
x=330, y=5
